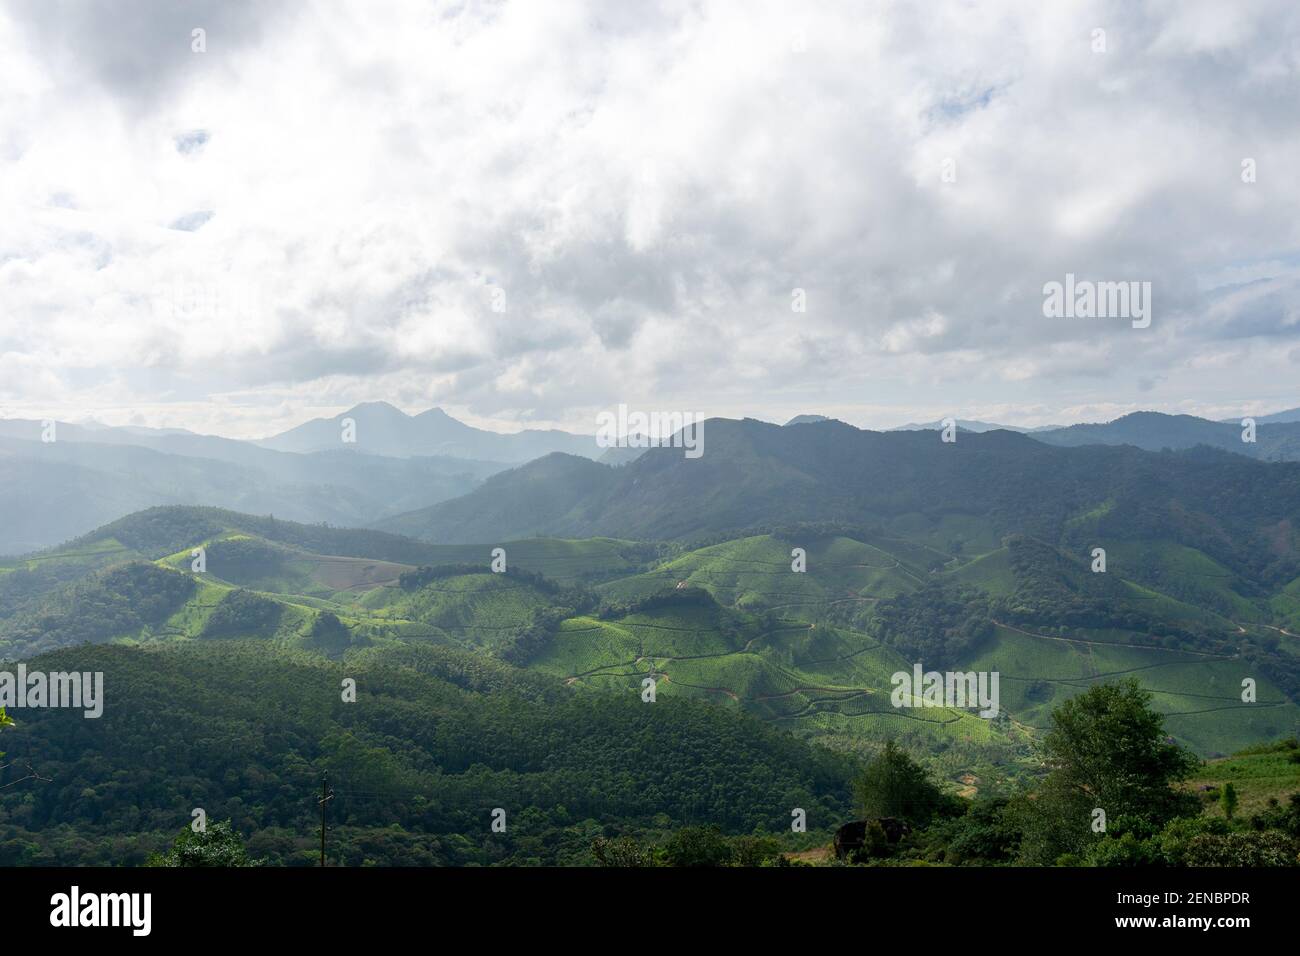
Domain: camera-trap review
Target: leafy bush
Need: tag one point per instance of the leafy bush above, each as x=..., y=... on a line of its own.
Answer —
x=1266, y=848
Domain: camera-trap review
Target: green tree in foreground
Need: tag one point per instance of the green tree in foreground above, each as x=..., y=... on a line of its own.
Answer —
x=894, y=785
x=218, y=845
x=1110, y=762
x=1109, y=744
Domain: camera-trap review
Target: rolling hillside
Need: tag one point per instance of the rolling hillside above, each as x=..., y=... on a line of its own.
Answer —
x=730, y=622
x=524, y=688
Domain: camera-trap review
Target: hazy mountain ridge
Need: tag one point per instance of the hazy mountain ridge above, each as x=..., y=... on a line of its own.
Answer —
x=1277, y=437
x=50, y=492
x=963, y=424
x=754, y=473
x=94, y=473
x=382, y=429
x=1155, y=431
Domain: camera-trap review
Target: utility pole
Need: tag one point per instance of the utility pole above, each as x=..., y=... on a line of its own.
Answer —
x=326, y=795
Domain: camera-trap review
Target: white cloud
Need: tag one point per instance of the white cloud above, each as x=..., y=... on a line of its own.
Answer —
x=647, y=184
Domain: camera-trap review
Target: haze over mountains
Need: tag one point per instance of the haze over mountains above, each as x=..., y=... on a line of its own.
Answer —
x=966, y=425
x=91, y=474
x=390, y=431
x=401, y=467
x=87, y=476
x=1277, y=438
x=1289, y=415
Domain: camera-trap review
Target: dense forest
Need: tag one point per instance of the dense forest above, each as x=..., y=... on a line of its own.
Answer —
x=435, y=740
x=439, y=744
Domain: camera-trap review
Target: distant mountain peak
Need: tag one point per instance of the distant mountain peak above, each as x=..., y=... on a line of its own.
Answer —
x=963, y=424
x=1153, y=416
x=381, y=408
x=807, y=419
x=434, y=414
x=383, y=429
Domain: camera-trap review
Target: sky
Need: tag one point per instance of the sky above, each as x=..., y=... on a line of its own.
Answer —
x=530, y=213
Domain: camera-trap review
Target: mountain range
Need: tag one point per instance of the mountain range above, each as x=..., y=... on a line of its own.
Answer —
x=381, y=429
x=86, y=477
x=502, y=639
x=400, y=467
x=755, y=474
x=1277, y=436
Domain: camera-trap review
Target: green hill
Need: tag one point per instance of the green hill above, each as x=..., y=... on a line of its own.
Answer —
x=458, y=662
x=1268, y=771
x=960, y=498
x=730, y=622
x=756, y=573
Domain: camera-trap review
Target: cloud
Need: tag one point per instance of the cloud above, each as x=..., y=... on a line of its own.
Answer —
x=529, y=213
x=139, y=53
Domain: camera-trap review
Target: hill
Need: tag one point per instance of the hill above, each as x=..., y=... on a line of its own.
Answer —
x=963, y=424
x=729, y=622
x=523, y=501
x=1259, y=774
x=381, y=429
x=1286, y=415
x=70, y=594
x=1277, y=437
x=522, y=689
x=1243, y=514
x=50, y=492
